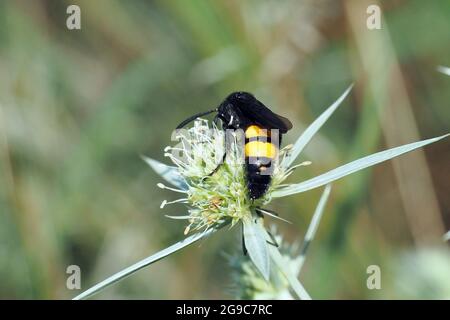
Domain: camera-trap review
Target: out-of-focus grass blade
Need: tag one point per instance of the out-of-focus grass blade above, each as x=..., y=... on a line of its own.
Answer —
x=446, y=237
x=352, y=167
x=256, y=245
x=169, y=173
x=444, y=70
x=310, y=233
x=306, y=136
x=143, y=263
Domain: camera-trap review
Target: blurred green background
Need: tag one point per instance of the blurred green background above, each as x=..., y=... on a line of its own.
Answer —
x=79, y=107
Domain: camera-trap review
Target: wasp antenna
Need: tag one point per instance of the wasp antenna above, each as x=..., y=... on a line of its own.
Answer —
x=195, y=116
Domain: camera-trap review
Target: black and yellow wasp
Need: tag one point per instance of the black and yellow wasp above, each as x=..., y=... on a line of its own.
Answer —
x=241, y=110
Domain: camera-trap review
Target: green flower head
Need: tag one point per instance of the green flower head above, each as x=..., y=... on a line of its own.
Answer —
x=215, y=192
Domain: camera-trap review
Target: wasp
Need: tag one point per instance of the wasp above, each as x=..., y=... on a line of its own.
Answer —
x=263, y=131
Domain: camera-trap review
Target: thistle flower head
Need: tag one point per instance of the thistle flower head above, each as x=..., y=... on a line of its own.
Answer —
x=216, y=192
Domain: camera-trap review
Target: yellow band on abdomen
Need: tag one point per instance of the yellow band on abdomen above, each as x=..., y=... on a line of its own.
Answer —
x=260, y=149
x=255, y=131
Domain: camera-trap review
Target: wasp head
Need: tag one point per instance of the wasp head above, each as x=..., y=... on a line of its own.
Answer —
x=229, y=110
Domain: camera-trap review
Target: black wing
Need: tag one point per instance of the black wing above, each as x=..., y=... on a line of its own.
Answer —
x=256, y=110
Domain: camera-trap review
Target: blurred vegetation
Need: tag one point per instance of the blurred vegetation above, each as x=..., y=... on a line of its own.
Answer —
x=78, y=107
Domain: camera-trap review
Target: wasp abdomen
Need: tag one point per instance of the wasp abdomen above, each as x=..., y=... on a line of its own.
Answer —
x=259, y=155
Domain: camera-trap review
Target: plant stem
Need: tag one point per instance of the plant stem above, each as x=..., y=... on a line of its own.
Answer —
x=295, y=284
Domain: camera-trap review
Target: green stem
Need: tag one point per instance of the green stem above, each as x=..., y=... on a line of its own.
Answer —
x=295, y=284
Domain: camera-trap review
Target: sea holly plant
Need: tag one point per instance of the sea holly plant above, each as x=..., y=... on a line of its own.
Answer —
x=221, y=199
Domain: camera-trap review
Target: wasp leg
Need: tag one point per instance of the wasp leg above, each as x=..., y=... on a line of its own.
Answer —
x=274, y=241
x=258, y=211
x=217, y=168
x=244, y=249
x=216, y=120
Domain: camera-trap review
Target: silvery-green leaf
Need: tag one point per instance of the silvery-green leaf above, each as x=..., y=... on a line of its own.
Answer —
x=306, y=136
x=352, y=167
x=310, y=233
x=143, y=263
x=169, y=173
x=283, y=266
x=444, y=70
x=256, y=245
